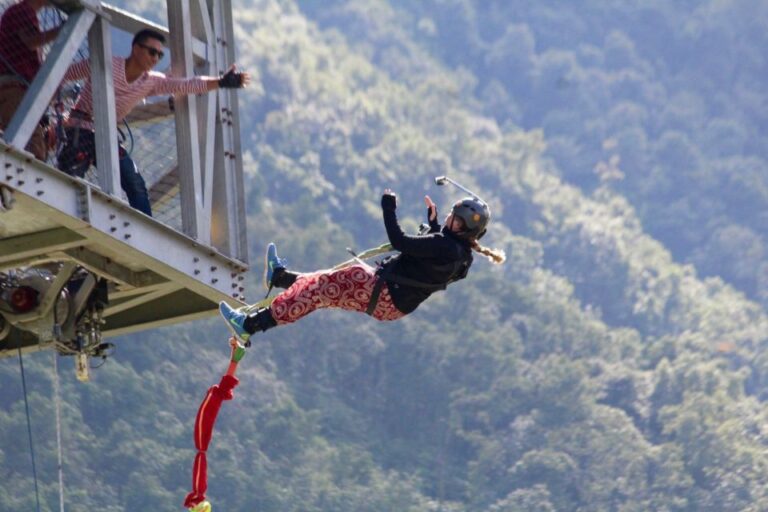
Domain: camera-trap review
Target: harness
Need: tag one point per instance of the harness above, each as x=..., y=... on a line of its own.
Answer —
x=458, y=271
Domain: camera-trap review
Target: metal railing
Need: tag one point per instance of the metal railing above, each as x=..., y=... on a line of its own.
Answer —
x=185, y=149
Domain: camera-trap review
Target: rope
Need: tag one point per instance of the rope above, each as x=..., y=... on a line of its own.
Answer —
x=29, y=429
x=57, y=401
x=59, y=110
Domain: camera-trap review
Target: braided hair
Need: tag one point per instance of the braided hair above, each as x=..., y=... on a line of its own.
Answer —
x=496, y=256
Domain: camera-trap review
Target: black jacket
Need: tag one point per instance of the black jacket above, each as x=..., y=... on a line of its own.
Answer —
x=426, y=263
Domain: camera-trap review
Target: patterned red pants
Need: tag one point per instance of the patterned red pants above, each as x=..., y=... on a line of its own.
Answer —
x=349, y=288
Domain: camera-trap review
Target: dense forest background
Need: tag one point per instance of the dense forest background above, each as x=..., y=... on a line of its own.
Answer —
x=616, y=362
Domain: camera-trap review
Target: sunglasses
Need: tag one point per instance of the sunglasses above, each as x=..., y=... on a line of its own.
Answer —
x=153, y=52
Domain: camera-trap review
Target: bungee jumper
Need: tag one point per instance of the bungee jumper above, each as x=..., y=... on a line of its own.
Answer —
x=425, y=263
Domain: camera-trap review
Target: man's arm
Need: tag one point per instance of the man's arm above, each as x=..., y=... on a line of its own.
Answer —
x=200, y=84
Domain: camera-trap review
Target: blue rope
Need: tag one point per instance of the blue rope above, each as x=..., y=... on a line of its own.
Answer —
x=29, y=429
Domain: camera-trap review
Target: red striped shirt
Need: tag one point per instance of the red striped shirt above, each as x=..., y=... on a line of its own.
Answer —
x=128, y=95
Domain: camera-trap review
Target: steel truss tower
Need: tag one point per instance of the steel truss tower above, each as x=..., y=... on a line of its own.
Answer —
x=95, y=266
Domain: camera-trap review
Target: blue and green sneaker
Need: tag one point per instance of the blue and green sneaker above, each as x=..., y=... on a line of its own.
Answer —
x=271, y=265
x=235, y=320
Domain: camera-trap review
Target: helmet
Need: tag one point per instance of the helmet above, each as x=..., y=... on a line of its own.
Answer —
x=475, y=214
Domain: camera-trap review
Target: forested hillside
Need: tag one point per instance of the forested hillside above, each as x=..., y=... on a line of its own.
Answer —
x=661, y=101
x=616, y=362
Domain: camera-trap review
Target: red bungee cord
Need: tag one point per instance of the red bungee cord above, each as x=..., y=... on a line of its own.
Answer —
x=204, y=422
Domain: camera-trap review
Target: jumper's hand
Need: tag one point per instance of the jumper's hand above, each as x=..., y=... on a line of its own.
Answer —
x=431, y=209
x=389, y=200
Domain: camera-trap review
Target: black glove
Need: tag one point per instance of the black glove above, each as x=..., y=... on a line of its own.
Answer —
x=231, y=80
x=389, y=201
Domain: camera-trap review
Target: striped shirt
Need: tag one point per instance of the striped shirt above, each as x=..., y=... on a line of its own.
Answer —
x=128, y=95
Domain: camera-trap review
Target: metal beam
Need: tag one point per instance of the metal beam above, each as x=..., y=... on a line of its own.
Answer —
x=116, y=307
x=105, y=221
x=30, y=246
x=132, y=23
x=24, y=340
x=29, y=262
x=187, y=138
x=207, y=104
x=47, y=80
x=205, y=21
x=125, y=293
x=70, y=6
x=108, y=269
x=181, y=305
x=228, y=203
x=105, y=117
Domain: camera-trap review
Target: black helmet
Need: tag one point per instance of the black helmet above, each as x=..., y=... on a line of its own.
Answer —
x=475, y=214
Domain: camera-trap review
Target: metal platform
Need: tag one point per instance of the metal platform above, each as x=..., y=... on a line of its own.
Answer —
x=152, y=273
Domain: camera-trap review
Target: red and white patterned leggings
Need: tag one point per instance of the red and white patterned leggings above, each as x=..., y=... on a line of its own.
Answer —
x=349, y=288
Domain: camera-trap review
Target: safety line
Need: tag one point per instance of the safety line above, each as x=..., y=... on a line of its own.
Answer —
x=29, y=429
x=57, y=402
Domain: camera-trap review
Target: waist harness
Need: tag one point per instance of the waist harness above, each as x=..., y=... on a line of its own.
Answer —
x=458, y=271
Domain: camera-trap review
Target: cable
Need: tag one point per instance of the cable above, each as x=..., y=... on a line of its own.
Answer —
x=130, y=136
x=57, y=401
x=59, y=110
x=29, y=429
x=57, y=404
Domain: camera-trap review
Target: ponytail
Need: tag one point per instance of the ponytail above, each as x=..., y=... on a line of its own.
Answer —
x=496, y=256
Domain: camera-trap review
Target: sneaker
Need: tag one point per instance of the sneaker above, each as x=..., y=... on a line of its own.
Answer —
x=235, y=320
x=271, y=265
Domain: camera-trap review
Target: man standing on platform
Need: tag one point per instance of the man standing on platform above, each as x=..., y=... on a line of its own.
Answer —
x=133, y=80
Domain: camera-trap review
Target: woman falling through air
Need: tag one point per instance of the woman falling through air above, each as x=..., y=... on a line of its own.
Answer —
x=425, y=264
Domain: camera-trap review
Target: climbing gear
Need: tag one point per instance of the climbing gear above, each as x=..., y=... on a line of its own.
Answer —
x=367, y=254
x=57, y=408
x=458, y=270
x=384, y=275
x=442, y=180
x=29, y=430
x=238, y=352
x=260, y=321
x=374, y=296
x=358, y=259
x=235, y=319
x=475, y=214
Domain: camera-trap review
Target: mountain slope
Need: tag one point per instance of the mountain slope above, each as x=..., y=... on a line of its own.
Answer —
x=590, y=372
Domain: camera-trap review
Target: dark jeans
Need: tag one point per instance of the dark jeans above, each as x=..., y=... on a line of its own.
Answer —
x=79, y=153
